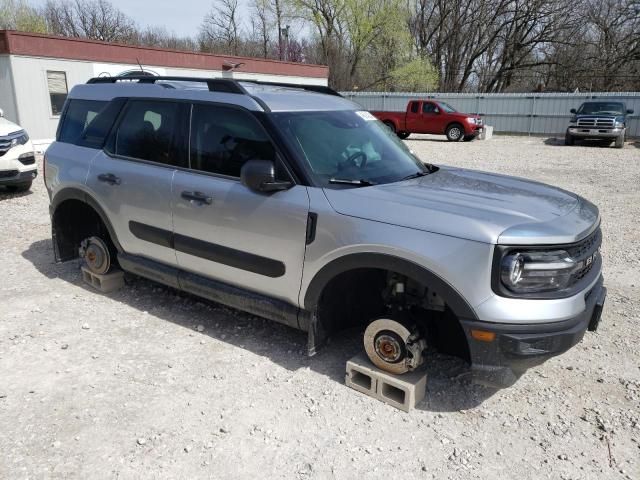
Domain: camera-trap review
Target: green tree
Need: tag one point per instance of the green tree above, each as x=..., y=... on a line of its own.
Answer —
x=417, y=75
x=19, y=15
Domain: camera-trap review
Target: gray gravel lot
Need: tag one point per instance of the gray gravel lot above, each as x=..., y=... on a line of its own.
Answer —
x=127, y=386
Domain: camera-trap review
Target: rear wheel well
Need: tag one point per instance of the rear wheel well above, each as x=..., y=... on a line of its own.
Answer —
x=356, y=297
x=72, y=222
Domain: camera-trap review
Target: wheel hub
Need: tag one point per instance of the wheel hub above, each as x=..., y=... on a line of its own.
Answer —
x=388, y=347
x=96, y=255
x=393, y=347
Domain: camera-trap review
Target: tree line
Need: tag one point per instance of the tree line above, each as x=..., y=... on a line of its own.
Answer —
x=392, y=45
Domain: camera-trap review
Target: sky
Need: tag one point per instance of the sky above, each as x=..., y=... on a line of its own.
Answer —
x=182, y=17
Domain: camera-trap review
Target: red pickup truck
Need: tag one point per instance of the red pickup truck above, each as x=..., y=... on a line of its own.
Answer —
x=432, y=116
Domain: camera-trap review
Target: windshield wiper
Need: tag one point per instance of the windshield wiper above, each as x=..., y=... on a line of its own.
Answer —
x=415, y=175
x=357, y=183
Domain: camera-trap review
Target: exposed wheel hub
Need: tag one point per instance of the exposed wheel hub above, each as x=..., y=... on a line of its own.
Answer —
x=95, y=253
x=393, y=347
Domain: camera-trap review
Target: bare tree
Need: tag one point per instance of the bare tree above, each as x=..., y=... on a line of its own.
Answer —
x=220, y=28
x=93, y=19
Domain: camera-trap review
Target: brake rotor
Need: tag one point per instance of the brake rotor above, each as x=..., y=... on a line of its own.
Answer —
x=95, y=253
x=392, y=347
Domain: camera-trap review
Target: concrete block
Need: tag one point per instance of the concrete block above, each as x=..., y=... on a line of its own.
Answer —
x=401, y=391
x=104, y=283
x=487, y=133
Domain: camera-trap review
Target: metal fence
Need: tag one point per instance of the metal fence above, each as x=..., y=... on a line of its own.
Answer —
x=539, y=113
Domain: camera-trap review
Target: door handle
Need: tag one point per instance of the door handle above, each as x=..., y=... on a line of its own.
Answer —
x=198, y=197
x=109, y=178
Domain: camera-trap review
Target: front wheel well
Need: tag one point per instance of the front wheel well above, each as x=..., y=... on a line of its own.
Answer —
x=356, y=297
x=73, y=221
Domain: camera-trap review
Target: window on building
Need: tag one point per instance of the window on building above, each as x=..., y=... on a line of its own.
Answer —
x=57, y=83
x=150, y=130
x=223, y=139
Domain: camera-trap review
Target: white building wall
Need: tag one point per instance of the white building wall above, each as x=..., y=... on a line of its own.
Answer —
x=32, y=96
x=7, y=93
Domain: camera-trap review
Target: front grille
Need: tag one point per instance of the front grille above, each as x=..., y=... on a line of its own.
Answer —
x=5, y=145
x=479, y=121
x=596, y=122
x=8, y=173
x=582, y=252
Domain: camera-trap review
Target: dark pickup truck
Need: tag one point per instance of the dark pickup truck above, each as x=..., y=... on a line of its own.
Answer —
x=432, y=116
x=599, y=120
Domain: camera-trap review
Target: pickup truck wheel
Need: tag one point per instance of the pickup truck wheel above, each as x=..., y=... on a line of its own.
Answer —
x=403, y=135
x=568, y=139
x=391, y=126
x=454, y=132
x=393, y=346
x=96, y=255
x=620, y=140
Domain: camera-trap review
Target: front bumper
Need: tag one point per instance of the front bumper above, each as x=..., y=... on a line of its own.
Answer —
x=518, y=347
x=593, y=132
x=14, y=177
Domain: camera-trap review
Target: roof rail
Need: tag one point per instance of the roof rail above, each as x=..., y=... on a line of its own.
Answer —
x=226, y=85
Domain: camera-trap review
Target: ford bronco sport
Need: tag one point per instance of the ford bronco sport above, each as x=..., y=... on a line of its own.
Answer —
x=295, y=205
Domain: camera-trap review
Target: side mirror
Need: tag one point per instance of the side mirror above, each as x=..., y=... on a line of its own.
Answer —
x=573, y=110
x=629, y=111
x=260, y=176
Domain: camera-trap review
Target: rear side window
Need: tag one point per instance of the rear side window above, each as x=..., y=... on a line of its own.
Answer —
x=78, y=115
x=151, y=130
x=414, y=107
x=223, y=139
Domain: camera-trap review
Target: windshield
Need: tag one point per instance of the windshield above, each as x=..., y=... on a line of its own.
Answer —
x=595, y=108
x=348, y=148
x=446, y=107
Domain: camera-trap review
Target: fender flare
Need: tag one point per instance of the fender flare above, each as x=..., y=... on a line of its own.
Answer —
x=71, y=193
x=451, y=296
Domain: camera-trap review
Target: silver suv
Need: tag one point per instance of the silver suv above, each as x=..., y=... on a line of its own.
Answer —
x=293, y=204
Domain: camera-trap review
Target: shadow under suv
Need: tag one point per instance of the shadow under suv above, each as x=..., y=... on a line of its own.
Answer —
x=295, y=205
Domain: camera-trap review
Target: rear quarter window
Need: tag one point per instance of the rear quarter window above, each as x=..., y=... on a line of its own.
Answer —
x=78, y=115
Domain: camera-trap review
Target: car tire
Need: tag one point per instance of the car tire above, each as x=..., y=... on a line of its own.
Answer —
x=391, y=126
x=620, y=140
x=568, y=139
x=403, y=135
x=20, y=187
x=454, y=132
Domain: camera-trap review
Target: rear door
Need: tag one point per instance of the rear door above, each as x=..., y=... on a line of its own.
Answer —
x=131, y=178
x=225, y=231
x=414, y=117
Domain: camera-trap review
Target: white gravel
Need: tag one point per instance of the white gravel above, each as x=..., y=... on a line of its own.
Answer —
x=163, y=385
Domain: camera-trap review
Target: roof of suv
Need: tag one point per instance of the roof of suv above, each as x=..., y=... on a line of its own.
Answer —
x=249, y=94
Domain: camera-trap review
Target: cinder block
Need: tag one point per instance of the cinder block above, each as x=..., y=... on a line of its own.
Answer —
x=401, y=391
x=104, y=283
x=487, y=133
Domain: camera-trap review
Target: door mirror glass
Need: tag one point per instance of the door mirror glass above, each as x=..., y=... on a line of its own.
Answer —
x=573, y=110
x=260, y=176
x=629, y=111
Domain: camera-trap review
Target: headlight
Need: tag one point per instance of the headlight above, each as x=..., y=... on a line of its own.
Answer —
x=536, y=271
x=619, y=125
x=471, y=120
x=573, y=121
x=20, y=138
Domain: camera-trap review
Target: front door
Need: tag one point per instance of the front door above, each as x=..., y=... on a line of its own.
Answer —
x=132, y=179
x=431, y=118
x=223, y=230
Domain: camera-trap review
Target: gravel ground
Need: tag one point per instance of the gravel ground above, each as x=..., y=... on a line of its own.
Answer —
x=150, y=383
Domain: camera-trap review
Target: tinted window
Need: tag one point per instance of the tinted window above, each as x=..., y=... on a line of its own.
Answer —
x=223, y=139
x=79, y=114
x=96, y=131
x=429, y=108
x=150, y=130
x=414, y=107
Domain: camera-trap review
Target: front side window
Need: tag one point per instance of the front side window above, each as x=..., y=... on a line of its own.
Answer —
x=340, y=146
x=429, y=107
x=223, y=139
x=57, y=84
x=150, y=130
x=79, y=114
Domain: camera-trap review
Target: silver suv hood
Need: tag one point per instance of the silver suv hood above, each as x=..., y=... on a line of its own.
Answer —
x=474, y=205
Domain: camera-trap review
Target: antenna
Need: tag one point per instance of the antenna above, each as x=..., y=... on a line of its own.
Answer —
x=141, y=69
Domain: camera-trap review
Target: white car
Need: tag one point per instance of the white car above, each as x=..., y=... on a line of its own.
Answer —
x=17, y=159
